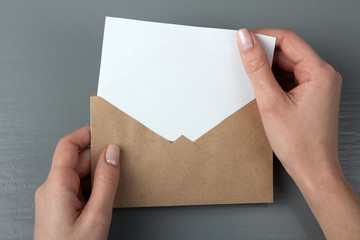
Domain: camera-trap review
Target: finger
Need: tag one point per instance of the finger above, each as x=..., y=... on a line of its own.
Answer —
x=257, y=66
x=106, y=179
x=282, y=61
x=83, y=167
x=296, y=50
x=291, y=44
x=278, y=71
x=66, y=154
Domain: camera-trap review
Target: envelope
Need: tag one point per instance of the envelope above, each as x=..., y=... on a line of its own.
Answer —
x=178, y=102
x=231, y=163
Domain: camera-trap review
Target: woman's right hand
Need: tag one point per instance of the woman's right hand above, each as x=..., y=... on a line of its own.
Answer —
x=302, y=125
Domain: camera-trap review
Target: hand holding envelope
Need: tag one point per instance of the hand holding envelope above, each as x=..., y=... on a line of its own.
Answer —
x=178, y=102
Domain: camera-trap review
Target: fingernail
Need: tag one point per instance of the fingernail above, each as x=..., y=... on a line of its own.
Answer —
x=245, y=40
x=112, y=155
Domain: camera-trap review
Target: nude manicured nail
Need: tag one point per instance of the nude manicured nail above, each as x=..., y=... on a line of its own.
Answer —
x=245, y=40
x=112, y=155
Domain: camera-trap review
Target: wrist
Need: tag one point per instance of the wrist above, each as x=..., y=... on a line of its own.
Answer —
x=322, y=184
x=322, y=175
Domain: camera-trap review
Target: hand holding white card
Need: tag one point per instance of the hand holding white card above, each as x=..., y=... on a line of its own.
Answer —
x=176, y=80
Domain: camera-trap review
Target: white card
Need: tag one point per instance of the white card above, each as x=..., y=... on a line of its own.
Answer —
x=174, y=79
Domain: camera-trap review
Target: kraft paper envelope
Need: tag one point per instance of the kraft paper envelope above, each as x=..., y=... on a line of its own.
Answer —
x=232, y=163
x=226, y=162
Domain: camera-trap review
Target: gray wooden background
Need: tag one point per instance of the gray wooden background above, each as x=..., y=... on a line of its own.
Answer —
x=49, y=66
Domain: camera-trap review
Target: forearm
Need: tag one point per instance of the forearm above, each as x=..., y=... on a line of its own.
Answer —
x=332, y=200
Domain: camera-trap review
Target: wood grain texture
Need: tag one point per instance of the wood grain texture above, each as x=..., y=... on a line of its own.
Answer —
x=49, y=65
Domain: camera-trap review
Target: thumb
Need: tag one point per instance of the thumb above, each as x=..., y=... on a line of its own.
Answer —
x=266, y=88
x=106, y=179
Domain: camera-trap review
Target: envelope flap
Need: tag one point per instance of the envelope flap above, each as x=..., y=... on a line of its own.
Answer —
x=242, y=136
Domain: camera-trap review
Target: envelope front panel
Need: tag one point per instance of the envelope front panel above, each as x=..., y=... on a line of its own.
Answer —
x=231, y=163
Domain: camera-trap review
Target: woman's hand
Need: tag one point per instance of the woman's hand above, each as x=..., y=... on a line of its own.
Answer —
x=61, y=207
x=302, y=124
